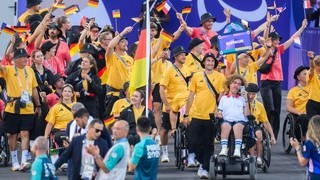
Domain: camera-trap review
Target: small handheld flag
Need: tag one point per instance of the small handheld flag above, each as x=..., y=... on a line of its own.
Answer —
x=186, y=10
x=166, y=36
x=160, y=6
x=21, y=29
x=59, y=6
x=7, y=30
x=71, y=9
x=116, y=13
x=93, y=3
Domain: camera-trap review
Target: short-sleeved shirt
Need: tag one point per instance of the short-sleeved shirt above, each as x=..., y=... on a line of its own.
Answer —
x=12, y=76
x=163, y=44
x=42, y=169
x=276, y=70
x=249, y=73
x=174, y=82
x=204, y=100
x=157, y=70
x=119, y=69
x=232, y=108
x=258, y=110
x=193, y=64
x=146, y=157
x=59, y=116
x=116, y=155
x=314, y=83
x=311, y=152
x=120, y=105
x=199, y=32
x=299, y=96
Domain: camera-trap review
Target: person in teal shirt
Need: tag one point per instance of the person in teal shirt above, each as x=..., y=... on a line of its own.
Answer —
x=42, y=168
x=146, y=153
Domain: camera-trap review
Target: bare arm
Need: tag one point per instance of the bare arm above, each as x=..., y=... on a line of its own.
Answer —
x=266, y=55
x=131, y=167
x=296, y=34
x=10, y=46
x=290, y=108
x=179, y=31
x=311, y=57
x=116, y=39
x=41, y=28
x=48, y=130
x=268, y=127
x=187, y=29
x=302, y=161
x=94, y=151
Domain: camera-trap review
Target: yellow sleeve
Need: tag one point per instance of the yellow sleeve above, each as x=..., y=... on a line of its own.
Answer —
x=290, y=94
x=51, y=116
x=193, y=83
x=116, y=108
x=262, y=116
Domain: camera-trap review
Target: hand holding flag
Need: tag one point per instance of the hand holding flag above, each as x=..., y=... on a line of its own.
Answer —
x=116, y=15
x=71, y=9
x=93, y=3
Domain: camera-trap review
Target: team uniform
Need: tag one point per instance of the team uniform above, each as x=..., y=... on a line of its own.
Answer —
x=193, y=63
x=311, y=152
x=249, y=73
x=313, y=104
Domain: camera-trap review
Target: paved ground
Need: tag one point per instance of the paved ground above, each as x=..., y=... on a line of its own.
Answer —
x=283, y=167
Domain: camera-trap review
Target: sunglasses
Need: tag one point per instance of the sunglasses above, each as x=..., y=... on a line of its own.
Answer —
x=98, y=130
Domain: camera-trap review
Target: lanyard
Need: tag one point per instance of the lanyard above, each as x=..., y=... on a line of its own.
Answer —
x=18, y=77
x=180, y=74
x=122, y=60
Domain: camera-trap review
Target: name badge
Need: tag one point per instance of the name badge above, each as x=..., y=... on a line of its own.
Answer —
x=25, y=97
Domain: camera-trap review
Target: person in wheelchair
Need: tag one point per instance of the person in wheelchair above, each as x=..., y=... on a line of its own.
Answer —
x=233, y=109
x=261, y=119
x=297, y=98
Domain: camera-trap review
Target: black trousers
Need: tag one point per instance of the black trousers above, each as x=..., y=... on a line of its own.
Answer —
x=109, y=104
x=271, y=96
x=201, y=140
x=313, y=108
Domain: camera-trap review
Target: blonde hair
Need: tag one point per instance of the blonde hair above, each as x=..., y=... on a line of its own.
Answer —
x=313, y=132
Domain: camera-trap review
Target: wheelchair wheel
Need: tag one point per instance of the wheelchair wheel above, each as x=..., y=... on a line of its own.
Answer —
x=266, y=150
x=178, y=148
x=252, y=168
x=4, y=150
x=212, y=172
x=287, y=132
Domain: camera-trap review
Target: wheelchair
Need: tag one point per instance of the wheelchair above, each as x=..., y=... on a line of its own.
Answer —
x=180, y=147
x=4, y=148
x=291, y=128
x=266, y=151
x=229, y=165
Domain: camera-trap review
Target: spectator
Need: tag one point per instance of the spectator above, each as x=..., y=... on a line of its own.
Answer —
x=114, y=165
x=146, y=153
x=84, y=166
x=309, y=156
x=54, y=97
x=42, y=168
x=19, y=112
x=314, y=15
x=48, y=50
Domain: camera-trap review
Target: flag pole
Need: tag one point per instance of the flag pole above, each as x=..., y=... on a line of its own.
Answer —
x=116, y=24
x=147, y=54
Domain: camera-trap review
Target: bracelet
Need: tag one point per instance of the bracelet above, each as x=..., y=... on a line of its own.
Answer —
x=269, y=47
x=120, y=35
x=38, y=105
x=185, y=115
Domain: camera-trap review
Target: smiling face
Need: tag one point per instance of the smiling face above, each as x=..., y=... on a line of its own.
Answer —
x=85, y=63
x=136, y=98
x=235, y=86
x=208, y=24
x=38, y=57
x=209, y=63
x=67, y=93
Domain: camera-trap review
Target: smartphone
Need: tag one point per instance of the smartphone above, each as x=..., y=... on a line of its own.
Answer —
x=242, y=90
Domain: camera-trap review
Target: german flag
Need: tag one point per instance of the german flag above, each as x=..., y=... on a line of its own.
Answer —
x=21, y=29
x=7, y=30
x=161, y=6
x=71, y=9
x=74, y=49
x=116, y=13
x=166, y=36
x=186, y=10
x=93, y=3
x=108, y=121
x=60, y=6
x=138, y=75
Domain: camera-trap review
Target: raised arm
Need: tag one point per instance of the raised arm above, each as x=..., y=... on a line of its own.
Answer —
x=187, y=29
x=40, y=29
x=116, y=39
x=311, y=57
x=85, y=33
x=265, y=56
x=288, y=43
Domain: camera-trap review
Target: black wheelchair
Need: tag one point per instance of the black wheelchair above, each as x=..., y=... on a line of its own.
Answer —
x=180, y=147
x=292, y=127
x=266, y=151
x=4, y=148
x=229, y=165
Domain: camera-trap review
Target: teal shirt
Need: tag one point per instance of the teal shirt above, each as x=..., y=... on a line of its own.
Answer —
x=42, y=169
x=115, y=155
x=146, y=157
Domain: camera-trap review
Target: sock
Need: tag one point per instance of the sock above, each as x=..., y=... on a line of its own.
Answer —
x=24, y=156
x=238, y=143
x=164, y=149
x=224, y=143
x=14, y=157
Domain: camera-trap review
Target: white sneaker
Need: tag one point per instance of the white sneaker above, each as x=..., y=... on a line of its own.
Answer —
x=237, y=153
x=199, y=173
x=15, y=166
x=224, y=152
x=191, y=161
x=259, y=161
x=204, y=174
x=165, y=158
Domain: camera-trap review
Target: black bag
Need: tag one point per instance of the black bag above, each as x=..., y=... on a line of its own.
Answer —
x=265, y=68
